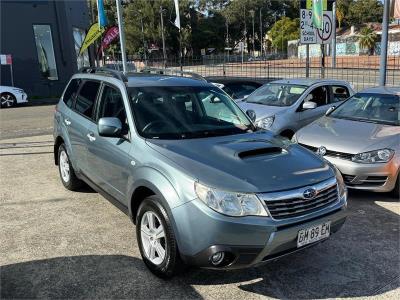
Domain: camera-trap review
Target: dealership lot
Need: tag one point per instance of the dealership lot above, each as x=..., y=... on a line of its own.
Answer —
x=59, y=244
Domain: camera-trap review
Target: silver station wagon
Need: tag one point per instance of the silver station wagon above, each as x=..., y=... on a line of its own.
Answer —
x=203, y=185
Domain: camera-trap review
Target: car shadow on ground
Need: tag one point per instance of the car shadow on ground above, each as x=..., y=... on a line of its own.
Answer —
x=360, y=260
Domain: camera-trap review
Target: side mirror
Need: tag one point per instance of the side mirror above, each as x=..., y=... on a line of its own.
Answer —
x=330, y=109
x=309, y=105
x=109, y=127
x=252, y=114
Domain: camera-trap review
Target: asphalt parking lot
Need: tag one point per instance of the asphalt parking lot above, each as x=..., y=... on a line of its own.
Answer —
x=60, y=244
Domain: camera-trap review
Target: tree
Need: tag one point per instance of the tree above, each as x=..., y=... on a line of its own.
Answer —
x=284, y=30
x=367, y=39
x=342, y=8
x=362, y=11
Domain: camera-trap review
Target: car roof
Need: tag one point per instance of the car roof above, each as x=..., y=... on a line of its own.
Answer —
x=309, y=81
x=389, y=90
x=140, y=80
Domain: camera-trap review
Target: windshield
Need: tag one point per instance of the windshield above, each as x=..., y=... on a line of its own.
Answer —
x=376, y=108
x=277, y=94
x=186, y=112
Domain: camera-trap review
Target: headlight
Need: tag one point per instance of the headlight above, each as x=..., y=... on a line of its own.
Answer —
x=231, y=204
x=18, y=90
x=340, y=182
x=294, y=139
x=266, y=122
x=376, y=156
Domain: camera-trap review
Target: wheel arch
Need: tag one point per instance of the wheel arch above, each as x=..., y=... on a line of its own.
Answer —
x=57, y=143
x=288, y=132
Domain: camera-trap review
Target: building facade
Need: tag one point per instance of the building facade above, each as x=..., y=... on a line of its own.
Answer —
x=43, y=38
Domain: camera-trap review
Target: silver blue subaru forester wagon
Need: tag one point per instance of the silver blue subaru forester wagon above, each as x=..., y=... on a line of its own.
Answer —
x=203, y=185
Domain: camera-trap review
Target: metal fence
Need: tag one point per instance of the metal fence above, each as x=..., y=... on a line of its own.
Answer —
x=360, y=71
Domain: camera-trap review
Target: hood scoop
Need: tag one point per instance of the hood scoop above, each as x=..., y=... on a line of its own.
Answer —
x=261, y=152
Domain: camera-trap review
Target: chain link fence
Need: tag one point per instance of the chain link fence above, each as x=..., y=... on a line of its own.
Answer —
x=360, y=71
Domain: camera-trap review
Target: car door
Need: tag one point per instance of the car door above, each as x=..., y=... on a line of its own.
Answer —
x=319, y=95
x=80, y=118
x=108, y=157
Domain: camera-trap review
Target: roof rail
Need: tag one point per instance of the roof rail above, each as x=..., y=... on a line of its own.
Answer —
x=107, y=71
x=173, y=72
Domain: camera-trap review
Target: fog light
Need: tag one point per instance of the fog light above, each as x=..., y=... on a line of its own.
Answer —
x=217, y=258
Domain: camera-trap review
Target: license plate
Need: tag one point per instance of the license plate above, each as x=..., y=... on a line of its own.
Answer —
x=313, y=234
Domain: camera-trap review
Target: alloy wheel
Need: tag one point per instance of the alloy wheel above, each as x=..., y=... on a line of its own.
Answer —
x=64, y=166
x=153, y=237
x=7, y=100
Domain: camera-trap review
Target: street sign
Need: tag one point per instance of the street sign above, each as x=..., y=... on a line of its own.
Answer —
x=309, y=34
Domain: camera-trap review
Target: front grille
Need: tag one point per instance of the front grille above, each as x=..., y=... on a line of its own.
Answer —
x=292, y=203
x=342, y=155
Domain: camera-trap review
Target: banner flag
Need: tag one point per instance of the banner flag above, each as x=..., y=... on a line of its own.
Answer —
x=177, y=22
x=317, y=13
x=93, y=34
x=101, y=14
x=109, y=36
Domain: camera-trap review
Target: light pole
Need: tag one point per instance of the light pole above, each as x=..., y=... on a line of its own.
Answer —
x=121, y=34
x=384, y=44
x=261, y=34
x=252, y=17
x=163, y=38
x=144, y=43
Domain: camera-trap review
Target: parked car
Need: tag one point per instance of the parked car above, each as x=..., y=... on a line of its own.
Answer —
x=203, y=186
x=285, y=106
x=238, y=89
x=362, y=138
x=11, y=96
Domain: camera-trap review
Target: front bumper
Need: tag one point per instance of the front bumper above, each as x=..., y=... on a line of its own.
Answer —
x=379, y=177
x=250, y=241
x=22, y=98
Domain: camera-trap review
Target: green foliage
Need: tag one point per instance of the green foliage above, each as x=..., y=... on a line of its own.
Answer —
x=362, y=11
x=284, y=30
x=367, y=39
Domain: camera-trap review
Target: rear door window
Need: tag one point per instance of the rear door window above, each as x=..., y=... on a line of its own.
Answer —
x=71, y=91
x=86, y=99
x=339, y=93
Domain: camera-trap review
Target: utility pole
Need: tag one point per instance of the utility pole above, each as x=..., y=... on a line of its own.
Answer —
x=163, y=38
x=261, y=35
x=121, y=35
x=384, y=43
x=252, y=12
x=334, y=35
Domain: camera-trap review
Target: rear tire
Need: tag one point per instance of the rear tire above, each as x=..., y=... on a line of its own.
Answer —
x=156, y=239
x=67, y=172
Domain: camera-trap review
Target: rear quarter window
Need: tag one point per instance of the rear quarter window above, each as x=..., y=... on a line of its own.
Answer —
x=71, y=91
x=86, y=98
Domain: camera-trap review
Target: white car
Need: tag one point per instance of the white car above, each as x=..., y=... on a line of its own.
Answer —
x=10, y=96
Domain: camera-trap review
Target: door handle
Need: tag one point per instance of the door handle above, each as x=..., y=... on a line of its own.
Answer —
x=67, y=122
x=91, y=136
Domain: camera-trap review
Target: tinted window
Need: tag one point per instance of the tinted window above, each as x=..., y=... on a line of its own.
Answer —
x=86, y=99
x=112, y=105
x=71, y=91
x=318, y=95
x=339, y=93
x=239, y=90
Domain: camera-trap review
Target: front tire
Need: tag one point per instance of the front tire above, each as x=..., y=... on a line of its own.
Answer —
x=7, y=100
x=67, y=173
x=156, y=239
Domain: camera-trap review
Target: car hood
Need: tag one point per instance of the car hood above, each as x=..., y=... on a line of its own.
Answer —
x=221, y=162
x=348, y=136
x=262, y=111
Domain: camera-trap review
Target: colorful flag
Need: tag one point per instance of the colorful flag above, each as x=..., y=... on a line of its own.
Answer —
x=109, y=36
x=93, y=34
x=317, y=13
x=101, y=14
x=177, y=18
